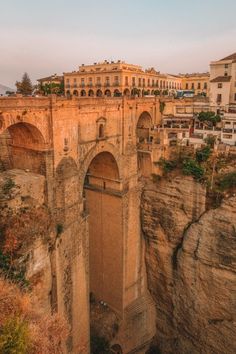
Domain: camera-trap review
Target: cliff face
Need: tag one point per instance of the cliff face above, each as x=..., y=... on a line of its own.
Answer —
x=191, y=267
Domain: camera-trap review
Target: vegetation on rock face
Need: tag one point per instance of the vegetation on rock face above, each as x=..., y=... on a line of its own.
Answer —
x=14, y=336
x=23, y=329
x=167, y=165
x=25, y=86
x=227, y=181
x=192, y=168
x=203, y=154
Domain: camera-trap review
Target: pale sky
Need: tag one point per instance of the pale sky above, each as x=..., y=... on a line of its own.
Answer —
x=44, y=37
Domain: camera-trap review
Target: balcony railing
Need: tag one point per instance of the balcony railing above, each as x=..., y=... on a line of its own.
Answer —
x=107, y=84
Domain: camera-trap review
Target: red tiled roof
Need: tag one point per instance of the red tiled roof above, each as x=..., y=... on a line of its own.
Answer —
x=221, y=79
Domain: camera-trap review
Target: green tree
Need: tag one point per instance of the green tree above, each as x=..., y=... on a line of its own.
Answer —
x=209, y=117
x=25, y=86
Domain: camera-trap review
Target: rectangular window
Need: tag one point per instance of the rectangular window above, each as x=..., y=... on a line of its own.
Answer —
x=75, y=79
x=187, y=86
x=133, y=81
x=199, y=85
x=220, y=85
x=219, y=98
x=126, y=81
x=205, y=85
x=192, y=85
x=148, y=82
x=226, y=66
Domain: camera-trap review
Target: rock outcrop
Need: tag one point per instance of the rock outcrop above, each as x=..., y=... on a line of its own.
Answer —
x=191, y=267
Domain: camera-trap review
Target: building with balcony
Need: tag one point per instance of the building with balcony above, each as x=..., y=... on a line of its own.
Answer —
x=223, y=82
x=114, y=79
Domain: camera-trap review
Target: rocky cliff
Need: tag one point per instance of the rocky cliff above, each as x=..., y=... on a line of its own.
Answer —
x=191, y=267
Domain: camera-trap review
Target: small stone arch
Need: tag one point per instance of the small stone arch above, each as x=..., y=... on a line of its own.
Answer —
x=91, y=93
x=99, y=93
x=83, y=93
x=75, y=93
x=143, y=127
x=108, y=93
x=126, y=92
x=117, y=93
x=101, y=128
x=68, y=93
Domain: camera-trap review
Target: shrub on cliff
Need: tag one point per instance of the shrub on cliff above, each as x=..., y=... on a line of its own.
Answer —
x=227, y=181
x=14, y=336
x=203, y=154
x=167, y=165
x=24, y=330
x=192, y=168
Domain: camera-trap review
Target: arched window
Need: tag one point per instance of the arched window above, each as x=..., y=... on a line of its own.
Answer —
x=101, y=131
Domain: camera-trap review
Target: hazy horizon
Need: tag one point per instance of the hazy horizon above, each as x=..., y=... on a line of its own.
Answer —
x=54, y=37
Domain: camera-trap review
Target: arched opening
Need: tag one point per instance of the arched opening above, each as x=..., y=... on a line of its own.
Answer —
x=91, y=93
x=101, y=133
x=83, y=93
x=108, y=93
x=22, y=146
x=99, y=93
x=117, y=93
x=68, y=93
x=103, y=205
x=143, y=127
x=75, y=93
x=126, y=92
x=144, y=144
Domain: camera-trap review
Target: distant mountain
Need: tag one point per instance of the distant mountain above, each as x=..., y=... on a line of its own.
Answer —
x=3, y=89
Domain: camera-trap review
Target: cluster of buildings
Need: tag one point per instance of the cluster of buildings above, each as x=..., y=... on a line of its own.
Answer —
x=180, y=121
x=214, y=91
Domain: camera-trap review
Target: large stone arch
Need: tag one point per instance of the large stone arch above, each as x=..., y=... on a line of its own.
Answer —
x=102, y=146
x=23, y=147
x=103, y=204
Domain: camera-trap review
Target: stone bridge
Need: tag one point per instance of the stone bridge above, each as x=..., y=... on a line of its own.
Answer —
x=87, y=150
